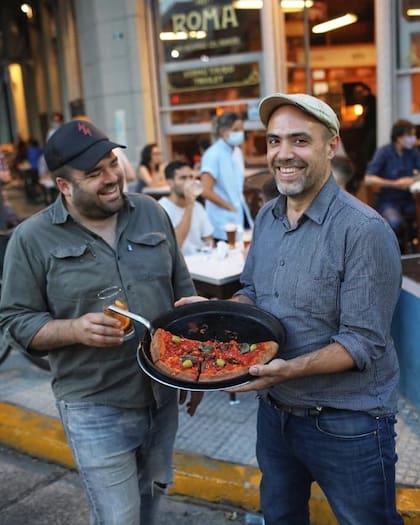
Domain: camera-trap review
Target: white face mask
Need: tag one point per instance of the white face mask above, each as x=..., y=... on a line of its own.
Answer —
x=409, y=141
x=235, y=138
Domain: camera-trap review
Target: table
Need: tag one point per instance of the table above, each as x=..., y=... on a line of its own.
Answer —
x=156, y=191
x=215, y=276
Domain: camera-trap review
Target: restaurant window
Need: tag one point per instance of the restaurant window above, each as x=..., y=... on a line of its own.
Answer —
x=326, y=59
x=210, y=61
x=408, y=50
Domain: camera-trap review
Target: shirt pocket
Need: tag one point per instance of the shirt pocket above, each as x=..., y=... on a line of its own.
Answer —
x=73, y=269
x=317, y=295
x=152, y=255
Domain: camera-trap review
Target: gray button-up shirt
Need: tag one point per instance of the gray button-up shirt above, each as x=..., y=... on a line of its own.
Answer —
x=54, y=269
x=335, y=276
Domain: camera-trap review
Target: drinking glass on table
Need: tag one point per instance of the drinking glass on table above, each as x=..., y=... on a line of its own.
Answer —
x=230, y=229
x=114, y=295
x=246, y=239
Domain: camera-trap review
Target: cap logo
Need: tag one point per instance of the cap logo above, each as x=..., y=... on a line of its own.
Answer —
x=84, y=129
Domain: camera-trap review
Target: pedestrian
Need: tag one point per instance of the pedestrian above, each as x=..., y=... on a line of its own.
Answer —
x=193, y=229
x=222, y=174
x=328, y=267
x=119, y=423
x=57, y=120
x=392, y=171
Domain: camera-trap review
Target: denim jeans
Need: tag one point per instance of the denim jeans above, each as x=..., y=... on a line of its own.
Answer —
x=351, y=455
x=124, y=457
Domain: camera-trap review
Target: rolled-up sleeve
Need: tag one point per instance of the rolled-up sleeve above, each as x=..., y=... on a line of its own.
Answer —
x=369, y=291
x=23, y=306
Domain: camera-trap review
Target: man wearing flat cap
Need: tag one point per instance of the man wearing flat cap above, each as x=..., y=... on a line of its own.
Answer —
x=328, y=267
x=119, y=423
x=327, y=404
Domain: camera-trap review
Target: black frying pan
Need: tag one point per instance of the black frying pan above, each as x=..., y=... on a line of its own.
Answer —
x=206, y=320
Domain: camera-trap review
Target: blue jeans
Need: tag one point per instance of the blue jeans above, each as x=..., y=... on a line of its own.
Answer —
x=394, y=213
x=350, y=454
x=124, y=457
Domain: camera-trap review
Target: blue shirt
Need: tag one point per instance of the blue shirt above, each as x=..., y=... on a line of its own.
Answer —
x=334, y=277
x=388, y=164
x=226, y=165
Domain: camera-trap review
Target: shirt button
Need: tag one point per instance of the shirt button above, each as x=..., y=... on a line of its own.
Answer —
x=276, y=294
x=281, y=262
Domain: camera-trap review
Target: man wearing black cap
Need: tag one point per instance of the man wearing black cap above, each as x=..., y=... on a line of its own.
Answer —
x=120, y=424
x=328, y=267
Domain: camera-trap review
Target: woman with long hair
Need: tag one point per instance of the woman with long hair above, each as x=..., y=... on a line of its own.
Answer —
x=151, y=169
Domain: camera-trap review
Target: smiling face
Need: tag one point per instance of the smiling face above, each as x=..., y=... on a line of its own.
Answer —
x=97, y=193
x=299, y=152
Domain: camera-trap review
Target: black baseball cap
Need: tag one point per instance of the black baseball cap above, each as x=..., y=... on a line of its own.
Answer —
x=78, y=144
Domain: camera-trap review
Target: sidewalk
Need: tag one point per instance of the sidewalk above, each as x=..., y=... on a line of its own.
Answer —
x=215, y=457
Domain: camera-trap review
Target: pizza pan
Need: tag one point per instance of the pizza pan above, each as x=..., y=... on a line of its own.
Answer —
x=218, y=320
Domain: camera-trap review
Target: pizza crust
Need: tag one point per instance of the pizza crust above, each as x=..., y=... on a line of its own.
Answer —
x=169, y=360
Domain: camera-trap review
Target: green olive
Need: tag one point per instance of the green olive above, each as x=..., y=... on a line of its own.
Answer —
x=252, y=347
x=187, y=363
x=176, y=339
x=220, y=362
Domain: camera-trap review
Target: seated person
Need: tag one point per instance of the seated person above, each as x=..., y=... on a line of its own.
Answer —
x=343, y=172
x=269, y=190
x=193, y=229
x=391, y=169
x=151, y=168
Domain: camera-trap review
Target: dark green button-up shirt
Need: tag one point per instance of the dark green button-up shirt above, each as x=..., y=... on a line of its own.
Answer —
x=54, y=268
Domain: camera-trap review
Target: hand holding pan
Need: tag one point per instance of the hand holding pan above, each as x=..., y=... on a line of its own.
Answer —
x=207, y=320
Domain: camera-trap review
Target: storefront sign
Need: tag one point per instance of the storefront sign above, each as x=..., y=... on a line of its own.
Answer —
x=232, y=75
x=204, y=27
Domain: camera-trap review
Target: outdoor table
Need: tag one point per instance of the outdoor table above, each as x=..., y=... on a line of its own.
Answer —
x=216, y=276
x=156, y=191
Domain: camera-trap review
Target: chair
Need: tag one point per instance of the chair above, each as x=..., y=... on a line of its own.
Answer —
x=253, y=190
x=410, y=236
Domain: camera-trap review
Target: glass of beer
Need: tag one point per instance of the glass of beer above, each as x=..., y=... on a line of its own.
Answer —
x=246, y=239
x=114, y=295
x=230, y=229
x=197, y=188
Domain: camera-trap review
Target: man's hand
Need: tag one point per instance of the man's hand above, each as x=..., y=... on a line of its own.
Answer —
x=195, y=400
x=190, y=299
x=267, y=376
x=403, y=183
x=97, y=329
x=190, y=192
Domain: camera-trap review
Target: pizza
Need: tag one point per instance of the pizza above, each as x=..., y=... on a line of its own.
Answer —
x=206, y=361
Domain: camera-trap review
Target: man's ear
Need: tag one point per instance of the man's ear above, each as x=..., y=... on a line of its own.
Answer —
x=64, y=186
x=333, y=144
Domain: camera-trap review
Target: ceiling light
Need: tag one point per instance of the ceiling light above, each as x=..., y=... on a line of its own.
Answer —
x=248, y=4
x=335, y=23
x=413, y=12
x=294, y=6
x=182, y=35
x=27, y=9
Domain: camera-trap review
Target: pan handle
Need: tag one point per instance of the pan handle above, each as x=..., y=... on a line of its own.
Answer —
x=134, y=317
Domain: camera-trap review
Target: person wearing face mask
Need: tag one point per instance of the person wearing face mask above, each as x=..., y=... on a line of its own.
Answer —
x=391, y=170
x=222, y=175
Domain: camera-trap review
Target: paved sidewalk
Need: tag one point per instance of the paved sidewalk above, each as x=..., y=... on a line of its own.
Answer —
x=219, y=430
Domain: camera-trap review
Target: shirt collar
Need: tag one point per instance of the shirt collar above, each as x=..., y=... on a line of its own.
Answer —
x=318, y=208
x=60, y=214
